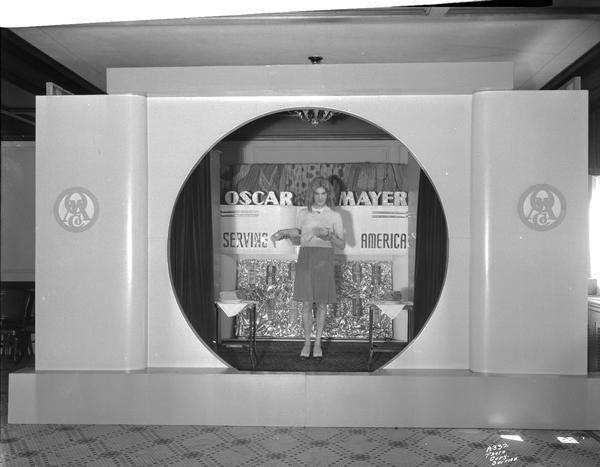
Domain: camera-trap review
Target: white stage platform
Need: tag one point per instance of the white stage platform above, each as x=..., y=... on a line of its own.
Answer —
x=386, y=398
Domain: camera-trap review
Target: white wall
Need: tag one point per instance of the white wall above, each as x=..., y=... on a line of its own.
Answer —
x=306, y=151
x=91, y=286
x=338, y=79
x=437, y=131
x=17, y=238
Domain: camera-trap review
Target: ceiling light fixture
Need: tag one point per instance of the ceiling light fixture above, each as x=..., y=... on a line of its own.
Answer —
x=313, y=116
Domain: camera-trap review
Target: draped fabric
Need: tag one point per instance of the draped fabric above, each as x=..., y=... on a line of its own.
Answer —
x=295, y=178
x=431, y=255
x=191, y=252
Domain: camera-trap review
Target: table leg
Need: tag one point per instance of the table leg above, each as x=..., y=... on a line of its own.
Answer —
x=410, y=323
x=370, y=337
x=217, y=329
x=253, y=335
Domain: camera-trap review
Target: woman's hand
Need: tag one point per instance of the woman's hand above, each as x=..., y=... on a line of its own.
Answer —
x=323, y=233
x=294, y=237
x=329, y=235
x=275, y=238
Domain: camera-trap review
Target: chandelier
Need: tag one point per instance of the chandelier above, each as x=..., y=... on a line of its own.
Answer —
x=313, y=116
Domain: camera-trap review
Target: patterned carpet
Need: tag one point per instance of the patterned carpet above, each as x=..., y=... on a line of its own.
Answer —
x=130, y=445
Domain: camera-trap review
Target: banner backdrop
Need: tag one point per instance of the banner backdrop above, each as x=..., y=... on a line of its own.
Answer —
x=375, y=230
x=369, y=230
x=294, y=178
x=248, y=229
x=259, y=199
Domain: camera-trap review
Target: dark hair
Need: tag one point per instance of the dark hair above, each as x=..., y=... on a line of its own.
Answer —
x=338, y=186
x=319, y=182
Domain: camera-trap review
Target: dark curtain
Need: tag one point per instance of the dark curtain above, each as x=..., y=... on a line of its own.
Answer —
x=191, y=252
x=431, y=256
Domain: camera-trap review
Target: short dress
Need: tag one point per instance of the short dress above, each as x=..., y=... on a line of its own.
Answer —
x=315, y=271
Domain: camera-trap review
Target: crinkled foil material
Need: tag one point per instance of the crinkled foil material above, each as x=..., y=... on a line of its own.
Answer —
x=270, y=282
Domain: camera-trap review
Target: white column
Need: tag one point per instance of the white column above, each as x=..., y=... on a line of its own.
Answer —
x=91, y=284
x=528, y=286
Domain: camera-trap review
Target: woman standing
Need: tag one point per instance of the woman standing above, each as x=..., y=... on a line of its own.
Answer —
x=319, y=230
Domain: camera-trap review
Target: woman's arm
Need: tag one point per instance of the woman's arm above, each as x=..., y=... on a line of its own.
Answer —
x=292, y=234
x=337, y=232
x=337, y=241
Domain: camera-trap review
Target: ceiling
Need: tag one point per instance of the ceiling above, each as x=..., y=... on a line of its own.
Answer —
x=540, y=41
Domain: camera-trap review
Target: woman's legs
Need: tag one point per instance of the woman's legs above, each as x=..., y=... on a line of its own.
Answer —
x=307, y=318
x=321, y=312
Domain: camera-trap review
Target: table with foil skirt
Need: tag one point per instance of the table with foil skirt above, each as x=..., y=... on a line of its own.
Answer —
x=270, y=282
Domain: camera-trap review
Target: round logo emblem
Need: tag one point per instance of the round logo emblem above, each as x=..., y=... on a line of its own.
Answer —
x=76, y=209
x=542, y=207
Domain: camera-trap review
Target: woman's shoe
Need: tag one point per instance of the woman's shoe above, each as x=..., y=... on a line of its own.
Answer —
x=305, y=353
x=318, y=354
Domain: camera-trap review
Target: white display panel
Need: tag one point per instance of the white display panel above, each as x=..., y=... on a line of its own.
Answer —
x=513, y=300
x=528, y=288
x=82, y=142
x=91, y=284
x=435, y=129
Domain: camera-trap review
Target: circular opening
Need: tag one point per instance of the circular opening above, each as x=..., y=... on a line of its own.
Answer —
x=239, y=290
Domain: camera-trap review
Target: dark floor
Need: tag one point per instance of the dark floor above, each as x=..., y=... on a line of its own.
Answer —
x=338, y=356
x=134, y=445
